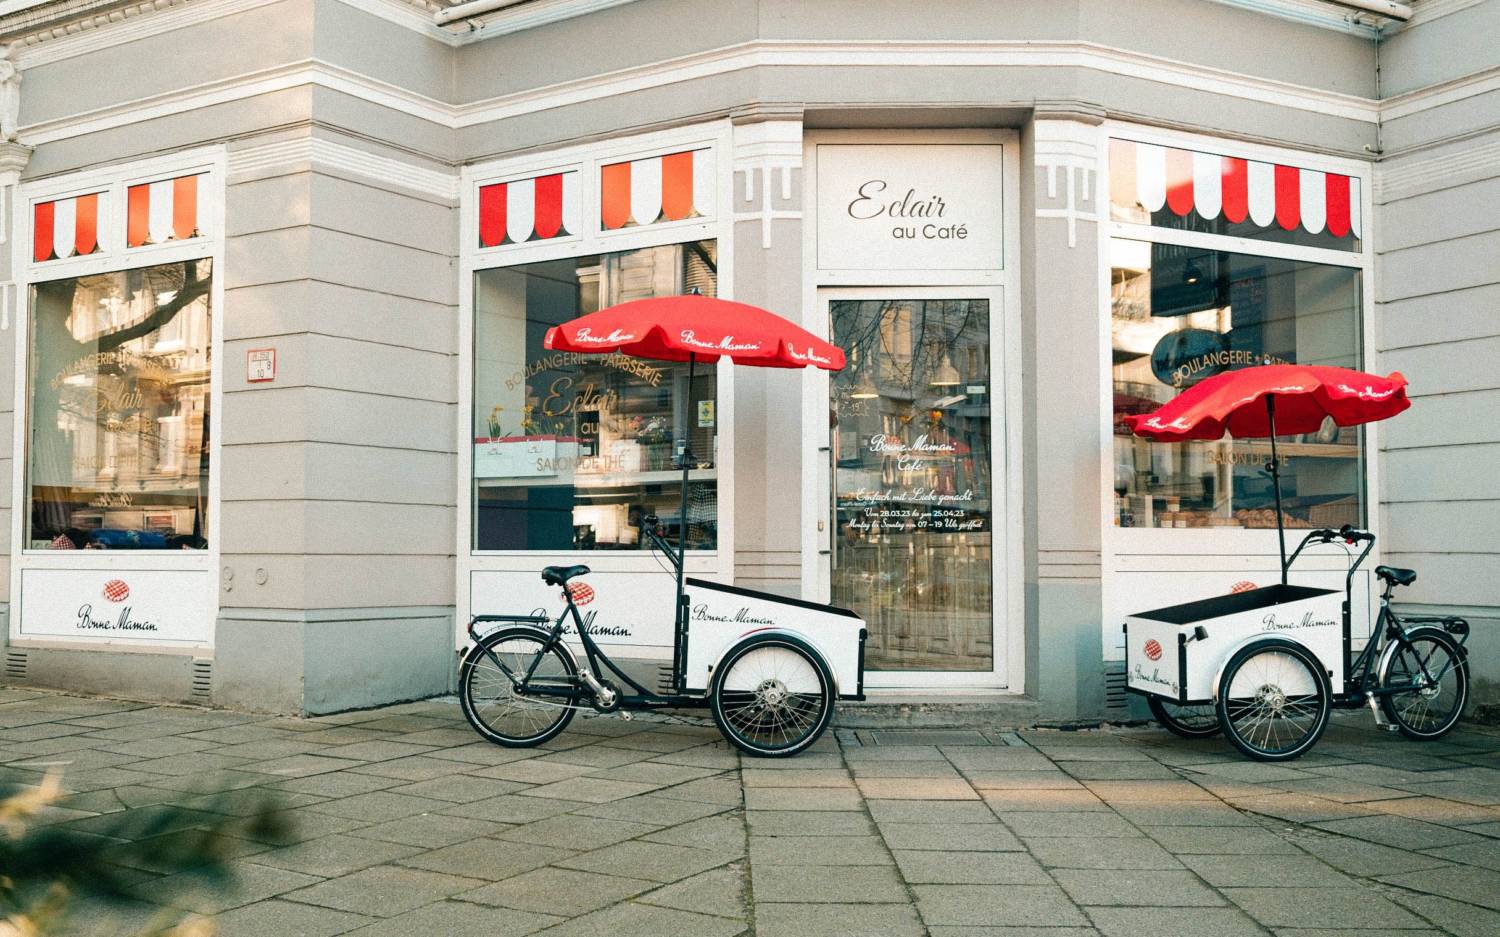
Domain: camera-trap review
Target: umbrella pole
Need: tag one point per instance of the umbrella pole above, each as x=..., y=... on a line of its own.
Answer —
x=1275, y=468
x=680, y=617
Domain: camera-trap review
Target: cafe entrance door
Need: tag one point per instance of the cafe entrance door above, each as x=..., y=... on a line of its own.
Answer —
x=918, y=482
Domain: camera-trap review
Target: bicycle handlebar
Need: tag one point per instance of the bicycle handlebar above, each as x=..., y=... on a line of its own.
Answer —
x=1346, y=533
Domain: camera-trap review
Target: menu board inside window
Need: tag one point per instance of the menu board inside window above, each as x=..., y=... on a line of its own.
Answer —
x=571, y=451
x=118, y=444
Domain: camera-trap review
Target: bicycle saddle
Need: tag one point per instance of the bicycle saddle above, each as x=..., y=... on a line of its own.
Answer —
x=557, y=575
x=1396, y=575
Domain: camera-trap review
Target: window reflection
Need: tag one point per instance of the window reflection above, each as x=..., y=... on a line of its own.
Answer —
x=912, y=477
x=1182, y=314
x=572, y=450
x=118, y=444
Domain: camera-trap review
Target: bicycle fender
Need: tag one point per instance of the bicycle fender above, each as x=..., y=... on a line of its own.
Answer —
x=1392, y=646
x=479, y=645
x=788, y=634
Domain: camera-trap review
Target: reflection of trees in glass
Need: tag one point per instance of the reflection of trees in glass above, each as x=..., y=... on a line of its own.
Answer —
x=119, y=396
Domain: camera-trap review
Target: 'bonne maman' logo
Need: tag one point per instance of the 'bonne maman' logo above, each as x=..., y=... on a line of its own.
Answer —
x=587, y=335
x=582, y=592
x=727, y=343
x=1153, y=649
x=116, y=590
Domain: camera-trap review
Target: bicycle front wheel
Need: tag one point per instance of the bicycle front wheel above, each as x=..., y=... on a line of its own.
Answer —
x=488, y=695
x=1434, y=672
x=1273, y=700
x=773, y=697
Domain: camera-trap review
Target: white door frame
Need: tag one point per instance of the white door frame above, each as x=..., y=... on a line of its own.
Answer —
x=1000, y=286
x=1005, y=474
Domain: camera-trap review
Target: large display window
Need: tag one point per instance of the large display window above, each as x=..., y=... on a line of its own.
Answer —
x=1180, y=314
x=117, y=447
x=572, y=451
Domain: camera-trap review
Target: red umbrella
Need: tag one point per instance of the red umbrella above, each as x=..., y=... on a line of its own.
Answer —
x=1251, y=402
x=694, y=328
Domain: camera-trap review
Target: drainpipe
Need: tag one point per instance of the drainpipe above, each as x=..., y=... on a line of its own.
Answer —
x=473, y=8
x=1387, y=8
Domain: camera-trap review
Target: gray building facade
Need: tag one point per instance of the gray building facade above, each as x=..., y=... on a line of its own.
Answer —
x=280, y=271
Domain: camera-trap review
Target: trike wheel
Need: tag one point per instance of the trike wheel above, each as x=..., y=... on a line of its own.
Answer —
x=773, y=697
x=1436, y=670
x=490, y=701
x=1190, y=722
x=1273, y=700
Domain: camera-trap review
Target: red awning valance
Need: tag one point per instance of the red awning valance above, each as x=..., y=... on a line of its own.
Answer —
x=1242, y=190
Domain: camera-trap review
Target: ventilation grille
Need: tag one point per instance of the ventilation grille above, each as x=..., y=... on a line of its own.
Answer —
x=664, y=680
x=203, y=678
x=1116, y=700
x=15, y=664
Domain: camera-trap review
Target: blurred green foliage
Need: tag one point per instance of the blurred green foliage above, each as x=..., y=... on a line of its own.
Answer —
x=47, y=868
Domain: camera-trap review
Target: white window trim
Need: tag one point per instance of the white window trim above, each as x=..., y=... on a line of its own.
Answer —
x=114, y=257
x=1252, y=552
x=717, y=564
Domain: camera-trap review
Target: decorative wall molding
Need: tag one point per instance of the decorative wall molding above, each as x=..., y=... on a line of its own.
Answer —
x=1410, y=177
x=118, y=25
x=1447, y=92
x=282, y=156
x=725, y=60
x=766, y=148
x=1068, y=150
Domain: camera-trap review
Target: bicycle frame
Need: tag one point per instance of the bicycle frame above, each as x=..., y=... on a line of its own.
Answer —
x=1359, y=672
x=580, y=685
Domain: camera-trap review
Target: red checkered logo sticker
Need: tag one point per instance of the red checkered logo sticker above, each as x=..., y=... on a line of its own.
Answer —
x=1244, y=585
x=582, y=593
x=1153, y=649
x=116, y=590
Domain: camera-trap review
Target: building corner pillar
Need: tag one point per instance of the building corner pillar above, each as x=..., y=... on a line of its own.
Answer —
x=1062, y=334
x=767, y=271
x=14, y=157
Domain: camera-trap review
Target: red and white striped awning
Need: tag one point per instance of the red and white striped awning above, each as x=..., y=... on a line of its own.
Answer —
x=658, y=188
x=1264, y=193
x=65, y=227
x=535, y=209
x=162, y=211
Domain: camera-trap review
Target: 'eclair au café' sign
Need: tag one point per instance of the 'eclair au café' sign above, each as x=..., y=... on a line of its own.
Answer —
x=909, y=206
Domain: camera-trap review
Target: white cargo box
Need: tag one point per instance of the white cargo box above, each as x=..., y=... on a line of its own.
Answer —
x=719, y=616
x=1166, y=654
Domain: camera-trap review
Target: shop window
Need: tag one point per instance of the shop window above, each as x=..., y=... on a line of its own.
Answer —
x=572, y=450
x=1182, y=314
x=117, y=448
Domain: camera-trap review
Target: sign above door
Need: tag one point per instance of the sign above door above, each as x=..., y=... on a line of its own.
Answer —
x=889, y=206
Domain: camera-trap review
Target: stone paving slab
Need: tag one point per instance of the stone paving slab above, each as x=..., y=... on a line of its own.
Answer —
x=400, y=821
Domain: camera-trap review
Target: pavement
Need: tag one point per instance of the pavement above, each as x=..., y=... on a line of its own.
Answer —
x=401, y=822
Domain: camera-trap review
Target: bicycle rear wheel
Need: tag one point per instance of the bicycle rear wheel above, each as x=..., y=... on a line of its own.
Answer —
x=1428, y=709
x=1189, y=722
x=489, y=698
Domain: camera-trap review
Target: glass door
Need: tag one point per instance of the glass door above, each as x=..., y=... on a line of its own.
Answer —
x=916, y=421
